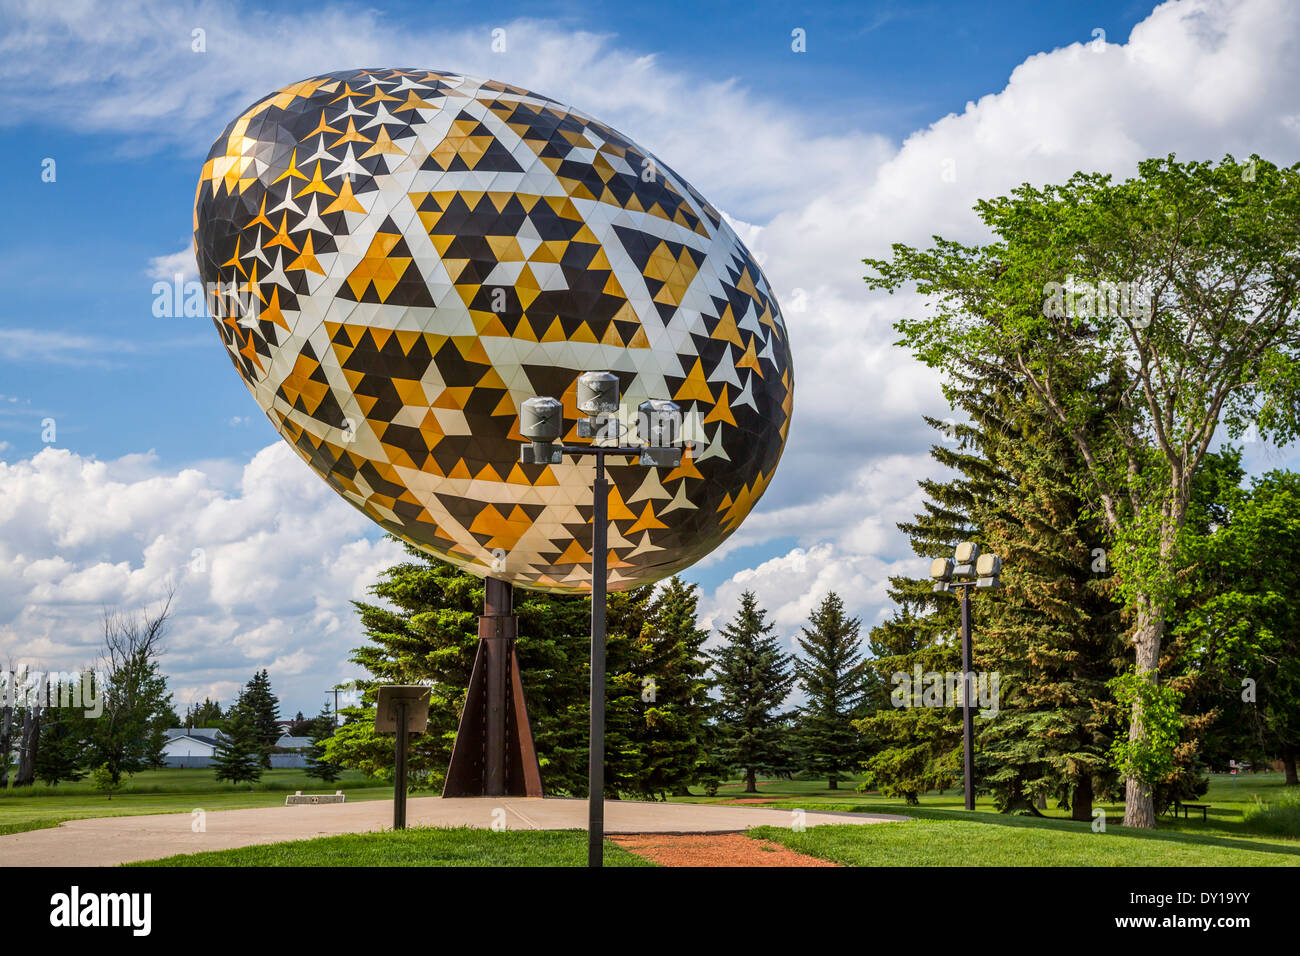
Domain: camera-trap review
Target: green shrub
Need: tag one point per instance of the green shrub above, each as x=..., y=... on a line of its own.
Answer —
x=1280, y=818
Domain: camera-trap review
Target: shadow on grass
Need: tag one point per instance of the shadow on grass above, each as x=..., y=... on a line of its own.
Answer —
x=1045, y=823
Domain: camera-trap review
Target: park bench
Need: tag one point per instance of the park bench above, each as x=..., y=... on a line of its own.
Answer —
x=299, y=799
x=1187, y=807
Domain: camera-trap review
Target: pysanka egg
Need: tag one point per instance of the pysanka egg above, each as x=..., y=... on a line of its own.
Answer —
x=396, y=259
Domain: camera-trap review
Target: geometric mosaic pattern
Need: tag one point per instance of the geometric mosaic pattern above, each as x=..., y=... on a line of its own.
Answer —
x=396, y=259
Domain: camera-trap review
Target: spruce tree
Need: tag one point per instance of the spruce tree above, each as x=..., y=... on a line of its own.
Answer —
x=626, y=615
x=319, y=766
x=1051, y=635
x=672, y=704
x=915, y=748
x=831, y=675
x=259, y=703
x=427, y=630
x=206, y=714
x=59, y=754
x=754, y=677
x=239, y=749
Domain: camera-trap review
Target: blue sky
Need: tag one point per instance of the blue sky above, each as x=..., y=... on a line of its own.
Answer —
x=824, y=156
x=117, y=202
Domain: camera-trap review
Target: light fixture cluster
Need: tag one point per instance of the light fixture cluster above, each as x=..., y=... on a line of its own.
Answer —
x=659, y=424
x=965, y=568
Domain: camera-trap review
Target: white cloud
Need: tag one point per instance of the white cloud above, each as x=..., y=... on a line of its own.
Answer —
x=264, y=568
x=1199, y=79
x=149, y=84
x=167, y=268
x=54, y=347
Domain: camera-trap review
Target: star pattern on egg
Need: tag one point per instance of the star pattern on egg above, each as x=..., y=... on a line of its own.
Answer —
x=396, y=259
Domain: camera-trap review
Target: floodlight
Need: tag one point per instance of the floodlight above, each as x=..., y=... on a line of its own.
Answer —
x=541, y=421
x=941, y=569
x=988, y=565
x=660, y=457
x=967, y=552
x=598, y=393
x=988, y=584
x=659, y=422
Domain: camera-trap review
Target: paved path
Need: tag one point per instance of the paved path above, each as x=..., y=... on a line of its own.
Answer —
x=108, y=841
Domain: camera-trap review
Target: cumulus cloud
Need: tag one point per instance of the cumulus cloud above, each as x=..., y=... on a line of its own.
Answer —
x=168, y=267
x=263, y=567
x=1200, y=79
x=737, y=143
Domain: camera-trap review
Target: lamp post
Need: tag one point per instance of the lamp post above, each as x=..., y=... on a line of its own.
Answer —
x=541, y=421
x=967, y=568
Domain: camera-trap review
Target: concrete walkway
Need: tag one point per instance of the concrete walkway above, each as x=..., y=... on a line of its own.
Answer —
x=108, y=841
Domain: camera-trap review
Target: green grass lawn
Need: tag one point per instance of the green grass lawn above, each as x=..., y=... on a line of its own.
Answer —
x=419, y=846
x=168, y=791
x=942, y=833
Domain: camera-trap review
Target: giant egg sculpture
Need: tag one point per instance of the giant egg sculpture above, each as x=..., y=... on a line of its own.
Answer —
x=397, y=258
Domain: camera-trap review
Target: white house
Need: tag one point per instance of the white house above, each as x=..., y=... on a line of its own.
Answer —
x=190, y=746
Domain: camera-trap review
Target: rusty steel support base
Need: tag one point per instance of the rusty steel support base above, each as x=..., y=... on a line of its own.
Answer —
x=494, y=754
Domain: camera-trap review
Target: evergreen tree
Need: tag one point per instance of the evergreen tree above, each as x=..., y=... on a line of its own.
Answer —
x=1053, y=633
x=661, y=698
x=754, y=678
x=626, y=616
x=59, y=754
x=239, y=749
x=427, y=630
x=915, y=748
x=318, y=764
x=831, y=675
x=206, y=714
x=260, y=705
x=1050, y=635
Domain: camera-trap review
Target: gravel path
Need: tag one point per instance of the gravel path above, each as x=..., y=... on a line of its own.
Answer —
x=720, y=849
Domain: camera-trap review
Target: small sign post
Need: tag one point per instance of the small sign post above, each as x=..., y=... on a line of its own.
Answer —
x=402, y=709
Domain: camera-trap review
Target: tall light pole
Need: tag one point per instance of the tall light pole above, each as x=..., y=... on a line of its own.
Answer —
x=541, y=421
x=967, y=568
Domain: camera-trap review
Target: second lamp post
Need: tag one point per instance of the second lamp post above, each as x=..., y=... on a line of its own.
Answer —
x=967, y=568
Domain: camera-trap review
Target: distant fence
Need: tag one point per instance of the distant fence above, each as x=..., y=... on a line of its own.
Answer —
x=278, y=762
x=187, y=762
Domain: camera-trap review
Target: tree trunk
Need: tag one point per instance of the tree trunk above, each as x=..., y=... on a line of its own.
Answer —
x=1139, y=805
x=1041, y=802
x=1081, y=800
x=27, y=752
x=833, y=783
x=6, y=728
x=751, y=781
x=1288, y=766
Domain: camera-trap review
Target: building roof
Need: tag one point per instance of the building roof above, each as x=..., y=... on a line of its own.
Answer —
x=292, y=743
x=206, y=735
